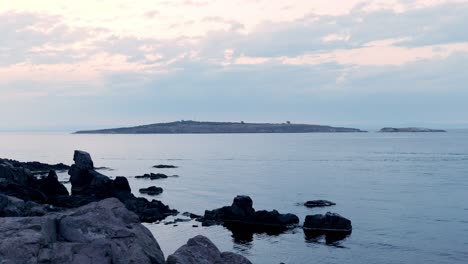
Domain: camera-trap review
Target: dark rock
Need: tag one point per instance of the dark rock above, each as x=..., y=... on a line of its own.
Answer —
x=83, y=160
x=200, y=250
x=191, y=215
x=89, y=184
x=50, y=185
x=102, y=232
x=163, y=166
x=152, y=176
x=274, y=218
x=241, y=217
x=177, y=220
x=14, y=207
x=120, y=184
x=21, y=183
x=333, y=226
x=327, y=222
x=36, y=167
x=153, y=190
x=319, y=203
x=149, y=211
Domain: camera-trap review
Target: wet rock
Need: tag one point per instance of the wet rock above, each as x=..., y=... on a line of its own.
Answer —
x=102, y=232
x=152, y=176
x=153, y=190
x=242, y=216
x=163, y=166
x=318, y=203
x=201, y=250
x=89, y=185
x=332, y=225
x=327, y=222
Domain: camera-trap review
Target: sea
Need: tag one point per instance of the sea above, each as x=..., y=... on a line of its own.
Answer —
x=405, y=193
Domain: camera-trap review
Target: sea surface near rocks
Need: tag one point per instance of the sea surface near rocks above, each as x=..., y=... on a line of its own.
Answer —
x=405, y=193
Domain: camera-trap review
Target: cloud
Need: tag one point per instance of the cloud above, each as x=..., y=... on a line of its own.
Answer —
x=214, y=61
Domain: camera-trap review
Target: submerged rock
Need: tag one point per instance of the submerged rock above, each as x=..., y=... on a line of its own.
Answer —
x=164, y=166
x=153, y=190
x=153, y=176
x=318, y=203
x=200, y=250
x=102, y=232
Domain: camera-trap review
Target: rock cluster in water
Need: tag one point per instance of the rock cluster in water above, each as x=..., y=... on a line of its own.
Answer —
x=241, y=212
x=88, y=185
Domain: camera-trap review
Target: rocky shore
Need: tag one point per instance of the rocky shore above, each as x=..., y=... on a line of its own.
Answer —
x=100, y=220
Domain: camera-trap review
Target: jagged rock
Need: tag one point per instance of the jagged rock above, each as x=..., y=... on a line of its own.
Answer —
x=36, y=167
x=200, y=250
x=83, y=160
x=50, y=185
x=153, y=190
x=102, y=232
x=20, y=182
x=87, y=183
x=241, y=212
x=318, y=203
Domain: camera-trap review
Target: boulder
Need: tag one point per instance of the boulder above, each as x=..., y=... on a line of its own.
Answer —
x=101, y=232
x=83, y=160
x=327, y=222
x=153, y=190
x=200, y=250
x=318, y=203
x=51, y=186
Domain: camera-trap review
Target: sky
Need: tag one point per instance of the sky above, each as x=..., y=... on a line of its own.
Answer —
x=68, y=65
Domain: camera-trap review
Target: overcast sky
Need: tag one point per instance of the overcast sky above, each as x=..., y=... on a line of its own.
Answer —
x=95, y=64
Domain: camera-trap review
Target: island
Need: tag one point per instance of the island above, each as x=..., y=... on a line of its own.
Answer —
x=196, y=127
x=409, y=129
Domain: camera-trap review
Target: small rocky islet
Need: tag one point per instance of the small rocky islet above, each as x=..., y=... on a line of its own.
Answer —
x=41, y=222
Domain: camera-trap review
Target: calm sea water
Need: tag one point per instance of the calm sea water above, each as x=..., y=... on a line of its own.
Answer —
x=406, y=194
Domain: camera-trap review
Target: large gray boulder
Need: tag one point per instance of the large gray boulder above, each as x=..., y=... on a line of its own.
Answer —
x=200, y=250
x=100, y=232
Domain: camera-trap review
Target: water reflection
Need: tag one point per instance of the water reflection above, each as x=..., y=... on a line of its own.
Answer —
x=331, y=237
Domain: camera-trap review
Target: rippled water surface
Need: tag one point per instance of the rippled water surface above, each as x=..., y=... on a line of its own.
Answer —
x=406, y=194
